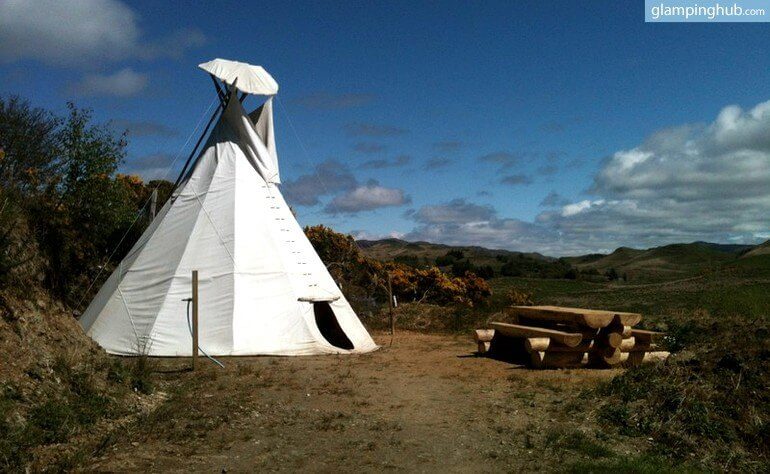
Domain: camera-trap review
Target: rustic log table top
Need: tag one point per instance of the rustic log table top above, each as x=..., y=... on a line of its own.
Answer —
x=592, y=318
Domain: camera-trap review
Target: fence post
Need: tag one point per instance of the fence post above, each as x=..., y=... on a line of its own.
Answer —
x=195, y=319
x=390, y=306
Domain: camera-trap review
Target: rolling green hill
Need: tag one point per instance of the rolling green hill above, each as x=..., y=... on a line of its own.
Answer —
x=388, y=249
x=668, y=262
x=483, y=261
x=663, y=263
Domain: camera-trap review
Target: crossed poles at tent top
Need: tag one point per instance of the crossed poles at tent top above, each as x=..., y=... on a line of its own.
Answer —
x=224, y=99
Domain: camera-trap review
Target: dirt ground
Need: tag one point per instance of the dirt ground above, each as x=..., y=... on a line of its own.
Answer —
x=424, y=403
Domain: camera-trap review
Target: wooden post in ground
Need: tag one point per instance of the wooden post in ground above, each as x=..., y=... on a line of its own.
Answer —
x=390, y=306
x=195, y=319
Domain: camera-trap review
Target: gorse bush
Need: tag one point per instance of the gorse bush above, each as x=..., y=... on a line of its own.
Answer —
x=365, y=277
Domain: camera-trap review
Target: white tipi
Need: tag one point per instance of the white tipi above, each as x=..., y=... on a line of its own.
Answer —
x=263, y=289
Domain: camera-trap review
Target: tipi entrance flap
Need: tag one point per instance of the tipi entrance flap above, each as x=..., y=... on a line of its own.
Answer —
x=330, y=329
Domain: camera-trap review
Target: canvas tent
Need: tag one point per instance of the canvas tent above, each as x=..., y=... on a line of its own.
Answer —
x=263, y=289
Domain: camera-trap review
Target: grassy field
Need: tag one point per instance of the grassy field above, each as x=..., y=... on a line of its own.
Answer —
x=718, y=294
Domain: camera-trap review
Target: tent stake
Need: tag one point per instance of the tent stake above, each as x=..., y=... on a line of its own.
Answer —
x=194, y=320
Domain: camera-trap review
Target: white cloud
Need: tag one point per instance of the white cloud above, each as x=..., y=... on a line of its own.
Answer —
x=578, y=207
x=124, y=83
x=459, y=222
x=456, y=211
x=84, y=32
x=365, y=235
x=692, y=182
x=57, y=32
x=366, y=198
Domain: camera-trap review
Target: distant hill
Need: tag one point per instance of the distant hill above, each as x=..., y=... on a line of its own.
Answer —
x=387, y=249
x=761, y=249
x=655, y=264
x=663, y=263
x=485, y=262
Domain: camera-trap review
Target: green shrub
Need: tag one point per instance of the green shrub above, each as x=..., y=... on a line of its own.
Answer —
x=644, y=464
x=141, y=374
x=710, y=401
x=51, y=422
x=576, y=441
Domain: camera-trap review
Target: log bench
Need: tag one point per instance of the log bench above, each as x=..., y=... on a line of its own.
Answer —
x=557, y=337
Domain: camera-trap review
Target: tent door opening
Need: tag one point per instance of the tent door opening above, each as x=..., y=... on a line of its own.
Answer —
x=329, y=326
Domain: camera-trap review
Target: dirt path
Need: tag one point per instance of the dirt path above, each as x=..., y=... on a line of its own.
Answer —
x=424, y=404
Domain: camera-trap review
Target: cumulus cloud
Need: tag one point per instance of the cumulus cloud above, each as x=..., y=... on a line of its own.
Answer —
x=459, y=222
x=327, y=178
x=327, y=101
x=692, y=182
x=360, y=234
x=456, y=211
x=682, y=184
x=82, y=32
x=366, y=198
x=332, y=178
x=124, y=83
x=373, y=130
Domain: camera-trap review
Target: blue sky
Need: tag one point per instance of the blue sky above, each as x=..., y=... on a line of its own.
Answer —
x=467, y=115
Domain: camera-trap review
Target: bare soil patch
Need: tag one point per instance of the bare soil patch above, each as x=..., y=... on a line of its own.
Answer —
x=424, y=403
